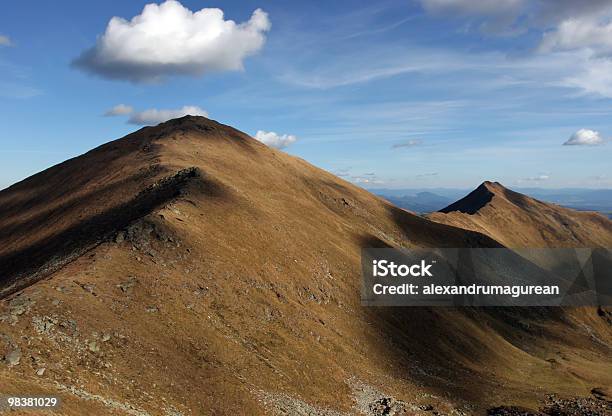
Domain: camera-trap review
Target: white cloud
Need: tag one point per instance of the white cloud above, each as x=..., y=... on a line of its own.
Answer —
x=5, y=41
x=593, y=76
x=579, y=33
x=275, y=140
x=584, y=137
x=119, y=110
x=408, y=143
x=154, y=116
x=169, y=39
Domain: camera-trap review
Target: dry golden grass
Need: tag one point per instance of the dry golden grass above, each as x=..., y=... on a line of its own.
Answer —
x=237, y=286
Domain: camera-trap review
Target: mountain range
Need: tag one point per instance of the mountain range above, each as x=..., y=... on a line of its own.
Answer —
x=429, y=200
x=188, y=269
x=517, y=220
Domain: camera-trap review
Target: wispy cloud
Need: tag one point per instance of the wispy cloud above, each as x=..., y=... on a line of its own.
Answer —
x=366, y=180
x=18, y=90
x=154, y=116
x=342, y=172
x=119, y=110
x=5, y=41
x=353, y=68
x=492, y=16
x=538, y=178
x=408, y=143
x=379, y=30
x=569, y=53
x=427, y=175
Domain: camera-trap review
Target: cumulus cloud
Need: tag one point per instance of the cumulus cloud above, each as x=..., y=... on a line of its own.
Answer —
x=584, y=137
x=119, y=110
x=408, y=143
x=169, y=39
x=5, y=41
x=275, y=140
x=154, y=116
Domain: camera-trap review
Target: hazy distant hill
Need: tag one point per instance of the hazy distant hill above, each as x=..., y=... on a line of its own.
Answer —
x=430, y=200
x=421, y=202
x=581, y=199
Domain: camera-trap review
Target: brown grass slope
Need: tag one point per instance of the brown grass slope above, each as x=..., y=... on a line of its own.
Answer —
x=517, y=220
x=189, y=269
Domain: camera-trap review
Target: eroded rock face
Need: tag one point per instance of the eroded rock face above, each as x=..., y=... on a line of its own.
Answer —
x=367, y=401
x=387, y=406
x=577, y=406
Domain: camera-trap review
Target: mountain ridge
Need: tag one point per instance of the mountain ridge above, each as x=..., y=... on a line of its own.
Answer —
x=517, y=220
x=239, y=292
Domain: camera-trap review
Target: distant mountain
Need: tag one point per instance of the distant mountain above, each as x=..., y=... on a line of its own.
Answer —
x=517, y=220
x=422, y=202
x=450, y=193
x=581, y=199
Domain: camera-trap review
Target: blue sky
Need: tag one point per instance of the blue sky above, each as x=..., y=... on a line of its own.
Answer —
x=395, y=94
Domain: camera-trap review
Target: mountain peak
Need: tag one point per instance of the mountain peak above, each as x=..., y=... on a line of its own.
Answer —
x=189, y=122
x=188, y=129
x=188, y=119
x=475, y=200
x=493, y=186
x=517, y=220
